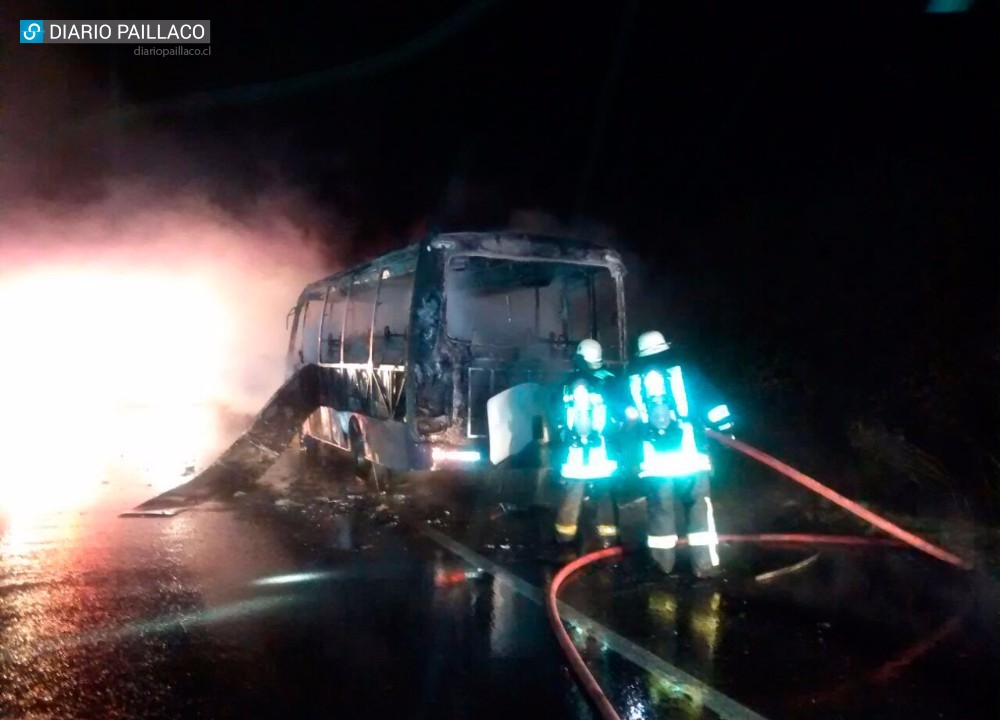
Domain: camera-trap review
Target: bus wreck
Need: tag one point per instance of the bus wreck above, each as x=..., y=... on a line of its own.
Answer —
x=440, y=355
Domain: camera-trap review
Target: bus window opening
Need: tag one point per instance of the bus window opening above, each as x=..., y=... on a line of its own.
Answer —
x=536, y=306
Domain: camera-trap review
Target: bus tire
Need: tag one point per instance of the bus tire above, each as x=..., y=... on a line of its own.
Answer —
x=362, y=466
x=310, y=448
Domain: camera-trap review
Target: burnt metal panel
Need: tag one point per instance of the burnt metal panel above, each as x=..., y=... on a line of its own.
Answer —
x=429, y=370
x=481, y=382
x=522, y=245
x=333, y=387
x=388, y=388
x=257, y=449
x=485, y=382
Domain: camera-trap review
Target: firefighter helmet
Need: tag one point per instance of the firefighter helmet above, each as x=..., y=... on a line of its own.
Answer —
x=590, y=353
x=651, y=343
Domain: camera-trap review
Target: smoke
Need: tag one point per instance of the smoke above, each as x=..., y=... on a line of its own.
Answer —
x=147, y=267
x=540, y=222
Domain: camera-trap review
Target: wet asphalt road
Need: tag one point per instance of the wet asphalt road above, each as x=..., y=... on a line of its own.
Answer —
x=312, y=597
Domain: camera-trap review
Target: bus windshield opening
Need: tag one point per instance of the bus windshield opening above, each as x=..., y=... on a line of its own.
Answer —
x=530, y=304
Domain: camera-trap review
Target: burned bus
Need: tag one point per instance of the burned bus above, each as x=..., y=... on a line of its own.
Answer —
x=441, y=354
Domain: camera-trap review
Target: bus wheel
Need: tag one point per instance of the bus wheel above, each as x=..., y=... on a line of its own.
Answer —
x=362, y=467
x=310, y=448
x=375, y=476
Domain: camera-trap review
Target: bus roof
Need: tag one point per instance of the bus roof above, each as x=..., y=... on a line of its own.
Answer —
x=496, y=243
x=515, y=244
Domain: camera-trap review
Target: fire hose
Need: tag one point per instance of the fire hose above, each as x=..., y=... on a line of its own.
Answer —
x=587, y=680
x=852, y=507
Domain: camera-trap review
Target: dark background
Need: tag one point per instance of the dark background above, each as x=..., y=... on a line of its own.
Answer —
x=806, y=192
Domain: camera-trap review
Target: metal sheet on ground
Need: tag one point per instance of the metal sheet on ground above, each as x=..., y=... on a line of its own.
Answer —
x=255, y=451
x=164, y=513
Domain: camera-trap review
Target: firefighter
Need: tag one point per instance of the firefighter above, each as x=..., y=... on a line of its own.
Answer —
x=672, y=453
x=587, y=464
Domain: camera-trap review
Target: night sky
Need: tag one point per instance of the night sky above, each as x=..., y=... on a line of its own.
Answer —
x=806, y=192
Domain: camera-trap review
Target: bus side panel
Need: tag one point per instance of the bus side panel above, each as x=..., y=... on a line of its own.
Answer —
x=385, y=442
x=333, y=390
x=333, y=427
x=338, y=425
x=329, y=422
x=324, y=425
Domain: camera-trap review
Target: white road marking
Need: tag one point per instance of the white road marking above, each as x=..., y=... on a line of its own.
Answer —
x=719, y=703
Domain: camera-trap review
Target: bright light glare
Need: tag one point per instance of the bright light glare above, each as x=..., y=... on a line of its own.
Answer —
x=133, y=338
x=456, y=455
x=293, y=578
x=102, y=367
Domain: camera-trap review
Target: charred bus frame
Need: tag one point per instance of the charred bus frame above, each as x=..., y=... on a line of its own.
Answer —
x=404, y=379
